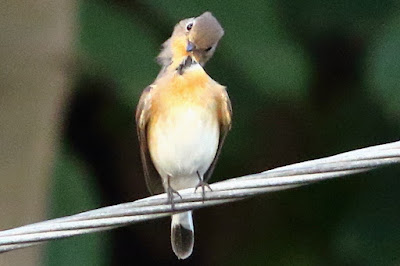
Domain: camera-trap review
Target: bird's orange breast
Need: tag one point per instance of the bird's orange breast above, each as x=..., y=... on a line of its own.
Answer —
x=183, y=130
x=192, y=89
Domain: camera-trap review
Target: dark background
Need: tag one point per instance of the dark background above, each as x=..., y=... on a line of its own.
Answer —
x=306, y=79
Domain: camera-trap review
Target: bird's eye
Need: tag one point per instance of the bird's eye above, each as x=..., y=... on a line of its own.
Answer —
x=208, y=49
x=189, y=26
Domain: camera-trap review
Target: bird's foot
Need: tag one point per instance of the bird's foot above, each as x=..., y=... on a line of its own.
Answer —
x=170, y=193
x=203, y=185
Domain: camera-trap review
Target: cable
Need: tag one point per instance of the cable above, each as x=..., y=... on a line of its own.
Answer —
x=154, y=207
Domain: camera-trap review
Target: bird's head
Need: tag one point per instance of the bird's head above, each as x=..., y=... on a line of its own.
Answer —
x=197, y=37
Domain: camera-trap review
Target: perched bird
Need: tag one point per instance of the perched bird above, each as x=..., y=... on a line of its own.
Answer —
x=182, y=120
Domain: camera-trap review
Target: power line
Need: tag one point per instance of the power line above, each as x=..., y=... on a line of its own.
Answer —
x=154, y=207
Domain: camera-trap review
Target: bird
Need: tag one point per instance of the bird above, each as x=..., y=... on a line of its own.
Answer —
x=182, y=120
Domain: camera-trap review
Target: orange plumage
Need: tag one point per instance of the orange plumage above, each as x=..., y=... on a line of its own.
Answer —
x=182, y=120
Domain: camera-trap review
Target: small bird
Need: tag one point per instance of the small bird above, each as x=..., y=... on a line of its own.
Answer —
x=182, y=120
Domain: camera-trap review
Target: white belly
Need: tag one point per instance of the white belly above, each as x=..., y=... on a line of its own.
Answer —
x=183, y=143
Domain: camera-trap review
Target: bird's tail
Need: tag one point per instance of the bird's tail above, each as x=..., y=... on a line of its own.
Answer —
x=182, y=234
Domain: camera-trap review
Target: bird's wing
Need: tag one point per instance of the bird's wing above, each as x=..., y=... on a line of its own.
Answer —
x=225, y=123
x=153, y=179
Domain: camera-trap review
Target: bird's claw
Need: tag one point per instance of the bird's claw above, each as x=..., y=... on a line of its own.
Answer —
x=203, y=185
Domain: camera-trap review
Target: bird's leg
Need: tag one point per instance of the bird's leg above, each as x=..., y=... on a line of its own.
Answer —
x=202, y=184
x=171, y=192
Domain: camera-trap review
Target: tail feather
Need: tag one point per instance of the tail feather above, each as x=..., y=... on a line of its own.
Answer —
x=182, y=234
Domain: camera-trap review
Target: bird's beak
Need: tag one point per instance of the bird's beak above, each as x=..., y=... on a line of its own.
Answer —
x=190, y=47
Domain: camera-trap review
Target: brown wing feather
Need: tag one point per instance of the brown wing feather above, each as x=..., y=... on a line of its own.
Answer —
x=153, y=179
x=225, y=125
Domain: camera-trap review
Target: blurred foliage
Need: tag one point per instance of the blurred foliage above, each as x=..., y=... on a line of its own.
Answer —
x=383, y=72
x=74, y=191
x=306, y=79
